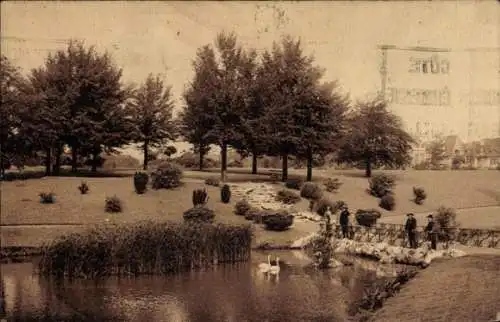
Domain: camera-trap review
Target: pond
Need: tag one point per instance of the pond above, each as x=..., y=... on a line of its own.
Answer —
x=225, y=293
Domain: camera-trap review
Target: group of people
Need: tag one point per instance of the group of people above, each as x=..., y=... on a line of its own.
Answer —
x=410, y=227
x=411, y=230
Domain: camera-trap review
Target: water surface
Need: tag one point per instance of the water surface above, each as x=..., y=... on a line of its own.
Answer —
x=226, y=293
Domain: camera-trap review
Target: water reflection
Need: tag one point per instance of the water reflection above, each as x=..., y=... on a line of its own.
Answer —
x=226, y=293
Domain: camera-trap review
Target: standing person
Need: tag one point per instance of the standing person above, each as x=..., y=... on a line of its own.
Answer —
x=411, y=228
x=344, y=221
x=432, y=232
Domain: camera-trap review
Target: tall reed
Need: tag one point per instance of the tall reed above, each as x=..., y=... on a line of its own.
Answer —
x=144, y=248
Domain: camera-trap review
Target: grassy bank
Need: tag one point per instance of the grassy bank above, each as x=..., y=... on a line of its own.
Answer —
x=144, y=248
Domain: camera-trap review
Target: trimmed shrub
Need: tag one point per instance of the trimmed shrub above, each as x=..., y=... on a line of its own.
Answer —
x=278, y=221
x=241, y=208
x=200, y=197
x=141, y=180
x=311, y=190
x=380, y=185
x=113, y=205
x=225, y=194
x=212, y=181
x=47, y=197
x=332, y=185
x=419, y=194
x=167, y=176
x=84, y=188
x=367, y=217
x=295, y=184
x=322, y=204
x=287, y=197
x=387, y=202
x=199, y=214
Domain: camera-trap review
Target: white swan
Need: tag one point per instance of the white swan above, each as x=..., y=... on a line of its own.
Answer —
x=275, y=269
x=265, y=267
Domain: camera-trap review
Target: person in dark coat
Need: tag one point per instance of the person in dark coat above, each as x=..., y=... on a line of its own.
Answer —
x=431, y=230
x=344, y=222
x=411, y=230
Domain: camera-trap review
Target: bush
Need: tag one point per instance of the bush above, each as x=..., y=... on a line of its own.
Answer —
x=324, y=203
x=332, y=185
x=225, y=194
x=235, y=164
x=295, y=184
x=166, y=176
x=212, y=181
x=278, y=221
x=113, y=205
x=84, y=188
x=446, y=217
x=257, y=216
x=49, y=197
x=241, y=208
x=387, y=202
x=199, y=214
x=367, y=217
x=141, y=180
x=287, y=197
x=191, y=160
x=419, y=194
x=380, y=185
x=311, y=190
x=200, y=197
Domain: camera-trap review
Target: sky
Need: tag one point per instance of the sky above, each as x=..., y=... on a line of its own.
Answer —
x=162, y=37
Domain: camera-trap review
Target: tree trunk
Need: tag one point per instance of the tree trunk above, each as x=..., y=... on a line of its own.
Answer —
x=223, y=166
x=368, y=171
x=146, y=156
x=202, y=156
x=254, y=162
x=48, y=162
x=57, y=166
x=309, y=164
x=74, y=159
x=95, y=156
x=284, y=168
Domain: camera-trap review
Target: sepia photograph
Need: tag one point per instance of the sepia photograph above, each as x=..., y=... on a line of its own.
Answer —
x=250, y=161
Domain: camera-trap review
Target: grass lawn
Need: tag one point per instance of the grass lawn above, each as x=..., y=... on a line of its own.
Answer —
x=20, y=201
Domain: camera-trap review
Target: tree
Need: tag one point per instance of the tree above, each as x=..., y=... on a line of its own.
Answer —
x=437, y=152
x=217, y=97
x=11, y=82
x=82, y=89
x=295, y=103
x=375, y=136
x=230, y=94
x=197, y=116
x=323, y=110
x=151, y=115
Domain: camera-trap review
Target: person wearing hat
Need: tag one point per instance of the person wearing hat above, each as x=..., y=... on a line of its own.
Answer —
x=431, y=230
x=344, y=221
x=411, y=228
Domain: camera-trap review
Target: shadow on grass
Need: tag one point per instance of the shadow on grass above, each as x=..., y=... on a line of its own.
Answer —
x=82, y=173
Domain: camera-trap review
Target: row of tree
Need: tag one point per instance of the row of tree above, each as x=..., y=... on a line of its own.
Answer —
x=273, y=104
